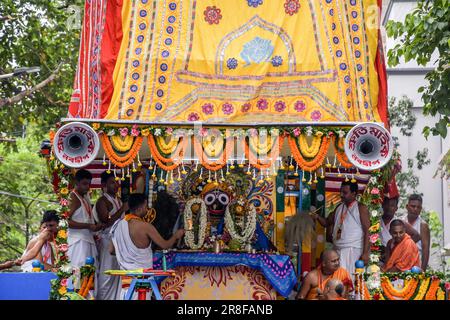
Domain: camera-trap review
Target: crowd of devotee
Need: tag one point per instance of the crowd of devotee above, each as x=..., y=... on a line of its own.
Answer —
x=116, y=234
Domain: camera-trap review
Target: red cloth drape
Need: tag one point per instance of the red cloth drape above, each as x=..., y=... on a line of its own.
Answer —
x=380, y=66
x=112, y=39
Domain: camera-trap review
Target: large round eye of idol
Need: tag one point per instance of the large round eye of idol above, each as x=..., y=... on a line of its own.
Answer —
x=224, y=199
x=210, y=198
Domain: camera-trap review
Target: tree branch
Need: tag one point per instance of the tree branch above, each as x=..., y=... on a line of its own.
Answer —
x=59, y=103
x=30, y=91
x=11, y=247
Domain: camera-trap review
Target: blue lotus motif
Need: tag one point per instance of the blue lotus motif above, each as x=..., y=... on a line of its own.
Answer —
x=257, y=50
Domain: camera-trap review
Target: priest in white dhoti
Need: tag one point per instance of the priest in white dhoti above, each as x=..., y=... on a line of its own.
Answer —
x=80, y=234
x=348, y=228
x=108, y=210
x=132, y=237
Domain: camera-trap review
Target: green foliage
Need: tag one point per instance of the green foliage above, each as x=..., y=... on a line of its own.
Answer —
x=444, y=166
x=427, y=30
x=400, y=115
x=23, y=173
x=407, y=180
x=35, y=33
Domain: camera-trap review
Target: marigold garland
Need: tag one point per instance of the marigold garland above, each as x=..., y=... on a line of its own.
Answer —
x=440, y=294
x=167, y=147
x=405, y=294
x=433, y=289
x=221, y=162
x=261, y=148
x=341, y=156
x=161, y=160
x=121, y=161
x=312, y=150
x=213, y=149
x=424, y=284
x=313, y=164
x=122, y=144
x=274, y=153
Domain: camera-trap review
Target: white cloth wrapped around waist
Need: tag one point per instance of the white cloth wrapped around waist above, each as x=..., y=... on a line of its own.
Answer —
x=351, y=229
x=74, y=235
x=128, y=255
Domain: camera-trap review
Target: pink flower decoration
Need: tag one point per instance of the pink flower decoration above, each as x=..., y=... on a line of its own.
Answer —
x=208, y=108
x=135, y=131
x=169, y=130
x=64, y=282
x=246, y=107
x=299, y=106
x=447, y=286
x=291, y=7
x=280, y=106
x=297, y=132
x=63, y=247
x=123, y=132
x=63, y=202
x=253, y=132
x=227, y=108
x=212, y=15
x=193, y=116
x=374, y=237
x=262, y=104
x=316, y=115
x=203, y=132
x=375, y=191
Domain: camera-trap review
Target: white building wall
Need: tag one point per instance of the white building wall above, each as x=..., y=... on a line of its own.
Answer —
x=405, y=79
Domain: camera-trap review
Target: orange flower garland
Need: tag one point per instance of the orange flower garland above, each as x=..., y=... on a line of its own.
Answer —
x=405, y=294
x=340, y=155
x=342, y=158
x=273, y=154
x=160, y=160
x=432, y=290
x=121, y=161
x=315, y=163
x=214, y=165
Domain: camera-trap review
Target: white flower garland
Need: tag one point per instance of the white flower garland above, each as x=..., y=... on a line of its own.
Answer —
x=189, y=236
x=249, y=228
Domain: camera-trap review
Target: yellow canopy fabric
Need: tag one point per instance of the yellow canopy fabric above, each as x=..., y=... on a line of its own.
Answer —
x=247, y=61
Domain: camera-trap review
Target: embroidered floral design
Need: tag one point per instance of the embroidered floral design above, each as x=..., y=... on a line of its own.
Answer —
x=262, y=104
x=316, y=115
x=291, y=7
x=246, y=107
x=257, y=50
x=227, y=108
x=212, y=15
x=208, y=108
x=232, y=63
x=280, y=106
x=299, y=106
x=254, y=3
x=193, y=116
x=277, y=61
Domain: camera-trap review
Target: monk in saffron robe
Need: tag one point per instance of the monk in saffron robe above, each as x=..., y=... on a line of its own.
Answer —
x=401, y=251
x=314, y=284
